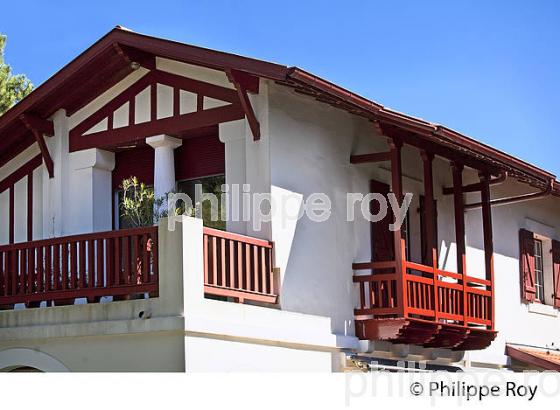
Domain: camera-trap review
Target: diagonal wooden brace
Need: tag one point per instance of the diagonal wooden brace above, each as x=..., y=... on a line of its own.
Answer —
x=39, y=128
x=243, y=83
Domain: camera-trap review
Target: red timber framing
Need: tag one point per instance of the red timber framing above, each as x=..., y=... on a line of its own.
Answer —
x=406, y=302
x=176, y=125
x=8, y=183
x=39, y=128
x=243, y=83
x=59, y=270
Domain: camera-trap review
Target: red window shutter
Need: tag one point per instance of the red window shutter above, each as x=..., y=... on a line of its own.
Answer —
x=527, y=265
x=137, y=162
x=200, y=157
x=556, y=271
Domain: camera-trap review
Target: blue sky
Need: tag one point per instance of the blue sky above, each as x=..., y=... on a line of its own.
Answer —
x=490, y=69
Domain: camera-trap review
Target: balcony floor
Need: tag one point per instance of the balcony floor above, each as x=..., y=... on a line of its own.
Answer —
x=425, y=333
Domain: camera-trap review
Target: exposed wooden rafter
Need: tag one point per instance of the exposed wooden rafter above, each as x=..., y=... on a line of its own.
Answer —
x=134, y=56
x=243, y=83
x=34, y=122
x=40, y=127
x=376, y=156
x=373, y=157
x=477, y=186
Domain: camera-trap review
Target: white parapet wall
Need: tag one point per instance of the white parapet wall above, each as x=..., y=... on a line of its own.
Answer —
x=226, y=336
x=180, y=330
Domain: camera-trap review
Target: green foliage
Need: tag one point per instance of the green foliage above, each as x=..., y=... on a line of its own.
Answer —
x=137, y=205
x=13, y=88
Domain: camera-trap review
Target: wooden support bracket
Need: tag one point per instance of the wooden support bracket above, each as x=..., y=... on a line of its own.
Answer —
x=131, y=55
x=243, y=83
x=39, y=128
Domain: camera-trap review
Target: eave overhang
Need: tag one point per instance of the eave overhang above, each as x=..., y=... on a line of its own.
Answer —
x=109, y=60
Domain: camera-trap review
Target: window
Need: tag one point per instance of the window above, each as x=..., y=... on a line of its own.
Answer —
x=539, y=265
x=539, y=271
x=210, y=185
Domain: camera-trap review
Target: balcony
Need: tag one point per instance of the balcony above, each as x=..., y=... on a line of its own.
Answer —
x=239, y=267
x=120, y=264
x=423, y=305
x=124, y=264
x=407, y=302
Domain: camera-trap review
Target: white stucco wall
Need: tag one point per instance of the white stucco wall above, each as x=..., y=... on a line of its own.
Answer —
x=310, y=146
x=516, y=322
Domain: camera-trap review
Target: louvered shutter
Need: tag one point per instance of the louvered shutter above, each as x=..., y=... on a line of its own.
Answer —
x=556, y=271
x=527, y=265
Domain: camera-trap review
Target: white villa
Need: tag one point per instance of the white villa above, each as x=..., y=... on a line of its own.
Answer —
x=471, y=279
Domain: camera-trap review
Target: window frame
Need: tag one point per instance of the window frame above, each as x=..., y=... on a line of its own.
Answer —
x=538, y=253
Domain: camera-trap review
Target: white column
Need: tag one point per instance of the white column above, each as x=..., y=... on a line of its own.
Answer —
x=232, y=134
x=164, y=163
x=91, y=207
x=56, y=195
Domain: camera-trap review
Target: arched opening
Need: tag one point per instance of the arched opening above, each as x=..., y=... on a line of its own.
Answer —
x=25, y=369
x=29, y=360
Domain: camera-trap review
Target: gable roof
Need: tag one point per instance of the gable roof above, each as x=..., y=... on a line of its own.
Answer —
x=109, y=60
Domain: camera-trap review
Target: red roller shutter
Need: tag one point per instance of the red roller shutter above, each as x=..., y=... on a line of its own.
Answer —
x=138, y=162
x=199, y=157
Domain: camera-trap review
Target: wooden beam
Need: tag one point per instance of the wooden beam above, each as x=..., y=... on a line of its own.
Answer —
x=151, y=79
x=373, y=157
x=21, y=172
x=133, y=55
x=248, y=82
x=125, y=96
x=24, y=141
x=93, y=86
x=458, y=202
x=395, y=146
x=488, y=237
x=11, y=217
x=459, y=212
x=429, y=209
x=411, y=138
x=45, y=153
x=195, y=86
x=175, y=126
x=430, y=217
x=39, y=128
x=30, y=206
x=33, y=122
x=477, y=186
x=239, y=80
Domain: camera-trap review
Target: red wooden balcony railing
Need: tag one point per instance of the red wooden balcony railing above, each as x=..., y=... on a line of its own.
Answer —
x=59, y=270
x=423, y=305
x=431, y=294
x=239, y=267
